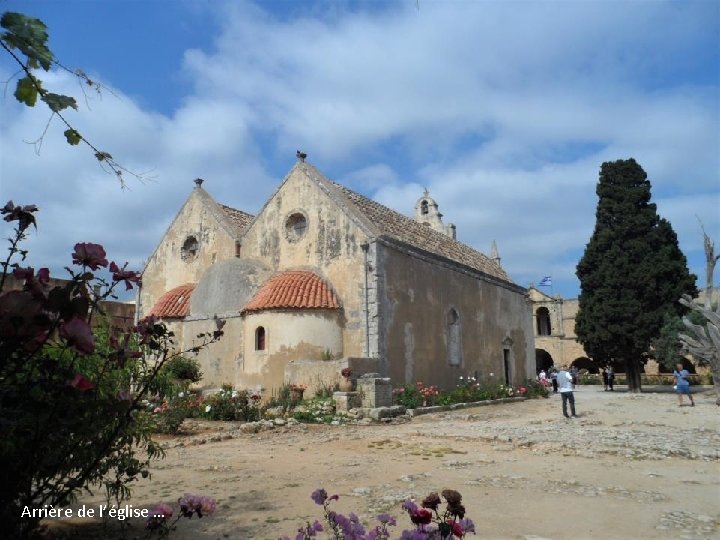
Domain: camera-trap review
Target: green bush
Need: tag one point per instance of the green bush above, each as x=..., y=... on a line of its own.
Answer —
x=183, y=368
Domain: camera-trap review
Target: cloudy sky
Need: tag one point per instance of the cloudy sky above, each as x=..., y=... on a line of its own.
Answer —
x=503, y=110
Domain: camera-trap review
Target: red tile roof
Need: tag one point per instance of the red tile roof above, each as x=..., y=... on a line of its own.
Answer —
x=239, y=219
x=175, y=303
x=294, y=289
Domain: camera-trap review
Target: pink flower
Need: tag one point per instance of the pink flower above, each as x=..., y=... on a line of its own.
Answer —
x=196, y=504
x=456, y=528
x=90, y=255
x=78, y=335
x=128, y=276
x=79, y=382
x=158, y=515
x=22, y=214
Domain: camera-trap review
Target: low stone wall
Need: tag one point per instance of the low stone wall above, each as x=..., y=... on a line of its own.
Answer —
x=319, y=374
x=455, y=406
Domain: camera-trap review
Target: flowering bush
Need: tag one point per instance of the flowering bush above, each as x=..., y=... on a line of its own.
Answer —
x=429, y=521
x=230, y=404
x=468, y=390
x=346, y=372
x=71, y=409
x=416, y=395
x=158, y=522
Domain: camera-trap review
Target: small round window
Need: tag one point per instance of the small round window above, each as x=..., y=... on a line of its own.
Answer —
x=295, y=226
x=189, y=248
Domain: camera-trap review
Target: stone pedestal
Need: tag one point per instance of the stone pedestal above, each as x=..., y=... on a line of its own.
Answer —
x=376, y=391
x=344, y=401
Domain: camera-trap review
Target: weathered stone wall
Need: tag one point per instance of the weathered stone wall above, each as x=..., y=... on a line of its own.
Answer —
x=221, y=362
x=330, y=246
x=168, y=267
x=318, y=374
x=415, y=302
x=302, y=335
x=561, y=344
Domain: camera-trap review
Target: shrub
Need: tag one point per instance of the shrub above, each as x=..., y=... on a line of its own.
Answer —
x=71, y=400
x=184, y=369
x=233, y=405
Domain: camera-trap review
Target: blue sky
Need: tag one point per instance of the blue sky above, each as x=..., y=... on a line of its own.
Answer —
x=504, y=110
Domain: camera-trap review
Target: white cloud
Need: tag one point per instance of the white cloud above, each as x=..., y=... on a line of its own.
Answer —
x=505, y=111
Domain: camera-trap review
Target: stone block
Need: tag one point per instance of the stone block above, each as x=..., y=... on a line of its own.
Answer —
x=376, y=391
x=345, y=401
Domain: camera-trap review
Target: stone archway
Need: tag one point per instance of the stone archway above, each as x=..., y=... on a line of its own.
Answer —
x=543, y=360
x=584, y=362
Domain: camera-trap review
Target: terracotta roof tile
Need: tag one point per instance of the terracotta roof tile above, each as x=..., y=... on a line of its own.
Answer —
x=294, y=289
x=238, y=218
x=175, y=303
x=407, y=230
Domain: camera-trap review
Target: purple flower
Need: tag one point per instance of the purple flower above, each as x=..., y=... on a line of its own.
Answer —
x=319, y=496
x=410, y=506
x=386, y=519
x=78, y=334
x=196, y=504
x=467, y=525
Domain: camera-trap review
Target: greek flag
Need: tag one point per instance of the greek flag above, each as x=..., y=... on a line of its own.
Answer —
x=546, y=282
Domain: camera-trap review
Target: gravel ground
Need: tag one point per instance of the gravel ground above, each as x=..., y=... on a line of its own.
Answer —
x=631, y=466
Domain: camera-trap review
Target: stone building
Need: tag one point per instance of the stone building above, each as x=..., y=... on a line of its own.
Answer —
x=554, y=326
x=555, y=339
x=323, y=272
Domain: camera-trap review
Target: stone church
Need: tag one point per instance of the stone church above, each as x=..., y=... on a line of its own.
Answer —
x=323, y=272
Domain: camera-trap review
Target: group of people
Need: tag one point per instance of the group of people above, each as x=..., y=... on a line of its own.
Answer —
x=552, y=379
x=564, y=381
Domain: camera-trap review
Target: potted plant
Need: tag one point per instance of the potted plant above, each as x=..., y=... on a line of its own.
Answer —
x=346, y=384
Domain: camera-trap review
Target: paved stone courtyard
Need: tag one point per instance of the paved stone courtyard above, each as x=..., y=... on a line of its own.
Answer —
x=629, y=467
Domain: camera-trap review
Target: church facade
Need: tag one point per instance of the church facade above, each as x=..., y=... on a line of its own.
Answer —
x=324, y=272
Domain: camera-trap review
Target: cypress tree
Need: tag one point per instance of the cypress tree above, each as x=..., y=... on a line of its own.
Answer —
x=631, y=274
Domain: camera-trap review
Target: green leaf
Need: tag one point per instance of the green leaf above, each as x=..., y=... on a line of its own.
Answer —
x=29, y=36
x=26, y=92
x=72, y=136
x=102, y=156
x=58, y=102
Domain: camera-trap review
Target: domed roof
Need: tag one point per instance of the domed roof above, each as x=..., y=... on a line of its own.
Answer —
x=227, y=285
x=174, y=304
x=294, y=289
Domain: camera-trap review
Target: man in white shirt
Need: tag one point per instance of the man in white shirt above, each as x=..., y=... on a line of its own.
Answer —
x=565, y=386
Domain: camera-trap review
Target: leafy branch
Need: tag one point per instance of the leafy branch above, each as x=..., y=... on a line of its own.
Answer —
x=29, y=36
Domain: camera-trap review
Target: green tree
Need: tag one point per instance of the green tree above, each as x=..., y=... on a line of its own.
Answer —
x=631, y=274
x=667, y=347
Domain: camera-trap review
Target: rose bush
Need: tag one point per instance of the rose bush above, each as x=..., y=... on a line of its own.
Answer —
x=71, y=412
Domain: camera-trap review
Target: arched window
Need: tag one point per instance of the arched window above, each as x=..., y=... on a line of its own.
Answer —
x=189, y=249
x=424, y=208
x=260, y=338
x=543, y=322
x=454, y=348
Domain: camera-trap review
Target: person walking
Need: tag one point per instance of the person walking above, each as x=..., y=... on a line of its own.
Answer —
x=611, y=378
x=682, y=385
x=542, y=377
x=604, y=372
x=553, y=379
x=565, y=385
x=575, y=374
